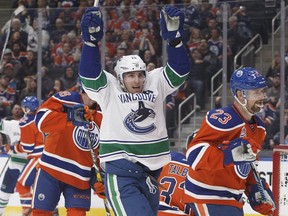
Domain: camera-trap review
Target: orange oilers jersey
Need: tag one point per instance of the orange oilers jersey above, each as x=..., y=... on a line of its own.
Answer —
x=208, y=180
x=171, y=184
x=31, y=139
x=66, y=154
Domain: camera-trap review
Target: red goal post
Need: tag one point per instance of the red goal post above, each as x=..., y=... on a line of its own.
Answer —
x=280, y=179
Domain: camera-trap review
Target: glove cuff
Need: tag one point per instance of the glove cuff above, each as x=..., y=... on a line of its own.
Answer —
x=175, y=42
x=90, y=44
x=228, y=159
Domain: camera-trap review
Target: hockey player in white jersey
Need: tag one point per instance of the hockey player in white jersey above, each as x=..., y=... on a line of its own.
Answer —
x=133, y=140
x=16, y=162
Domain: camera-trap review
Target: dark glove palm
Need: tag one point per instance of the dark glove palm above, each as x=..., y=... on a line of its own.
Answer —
x=172, y=23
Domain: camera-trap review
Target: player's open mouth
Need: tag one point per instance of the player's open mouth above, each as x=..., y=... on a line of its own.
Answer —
x=259, y=104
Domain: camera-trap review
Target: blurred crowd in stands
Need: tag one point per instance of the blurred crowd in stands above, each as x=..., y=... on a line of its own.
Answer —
x=132, y=27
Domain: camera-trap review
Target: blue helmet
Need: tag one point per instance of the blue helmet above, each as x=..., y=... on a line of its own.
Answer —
x=30, y=102
x=246, y=78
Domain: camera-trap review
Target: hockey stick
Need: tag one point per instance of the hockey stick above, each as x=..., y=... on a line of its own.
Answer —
x=258, y=180
x=98, y=175
x=5, y=166
x=96, y=2
x=17, y=11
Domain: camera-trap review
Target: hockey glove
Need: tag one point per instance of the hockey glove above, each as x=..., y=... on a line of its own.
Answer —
x=263, y=205
x=171, y=23
x=92, y=26
x=99, y=189
x=15, y=148
x=239, y=151
x=76, y=114
x=97, y=186
x=89, y=113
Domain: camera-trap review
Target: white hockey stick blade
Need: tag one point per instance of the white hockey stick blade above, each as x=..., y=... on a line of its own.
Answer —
x=19, y=10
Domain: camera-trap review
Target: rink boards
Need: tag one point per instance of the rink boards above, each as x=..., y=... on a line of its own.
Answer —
x=97, y=207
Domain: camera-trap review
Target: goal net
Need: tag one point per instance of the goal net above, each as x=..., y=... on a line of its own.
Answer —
x=280, y=179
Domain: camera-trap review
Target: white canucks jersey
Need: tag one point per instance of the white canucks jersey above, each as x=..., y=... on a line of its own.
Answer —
x=136, y=139
x=12, y=129
x=133, y=125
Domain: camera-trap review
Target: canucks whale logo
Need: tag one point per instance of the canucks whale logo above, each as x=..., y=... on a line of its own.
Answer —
x=137, y=116
x=80, y=139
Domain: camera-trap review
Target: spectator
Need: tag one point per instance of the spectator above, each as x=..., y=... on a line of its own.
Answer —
x=56, y=34
x=192, y=13
x=7, y=96
x=47, y=82
x=30, y=88
x=146, y=43
x=126, y=21
x=206, y=13
x=75, y=46
x=14, y=83
x=214, y=65
x=58, y=86
x=273, y=93
x=149, y=57
x=70, y=78
x=17, y=53
x=33, y=38
x=196, y=78
x=206, y=32
x=268, y=114
x=16, y=33
x=110, y=44
x=150, y=66
x=194, y=39
x=83, y=4
x=238, y=34
x=67, y=15
x=48, y=14
x=242, y=16
x=233, y=37
x=64, y=39
x=16, y=113
x=215, y=43
x=273, y=134
x=8, y=58
x=64, y=56
x=29, y=67
x=275, y=68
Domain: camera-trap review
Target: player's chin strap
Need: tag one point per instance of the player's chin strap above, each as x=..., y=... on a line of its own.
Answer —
x=123, y=87
x=26, y=110
x=244, y=106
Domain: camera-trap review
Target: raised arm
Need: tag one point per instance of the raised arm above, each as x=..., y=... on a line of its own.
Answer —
x=172, y=30
x=92, y=33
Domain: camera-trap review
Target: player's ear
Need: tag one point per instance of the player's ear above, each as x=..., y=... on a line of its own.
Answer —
x=240, y=96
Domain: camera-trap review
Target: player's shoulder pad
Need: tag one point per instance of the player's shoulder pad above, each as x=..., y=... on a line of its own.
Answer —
x=66, y=96
x=224, y=118
x=179, y=157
